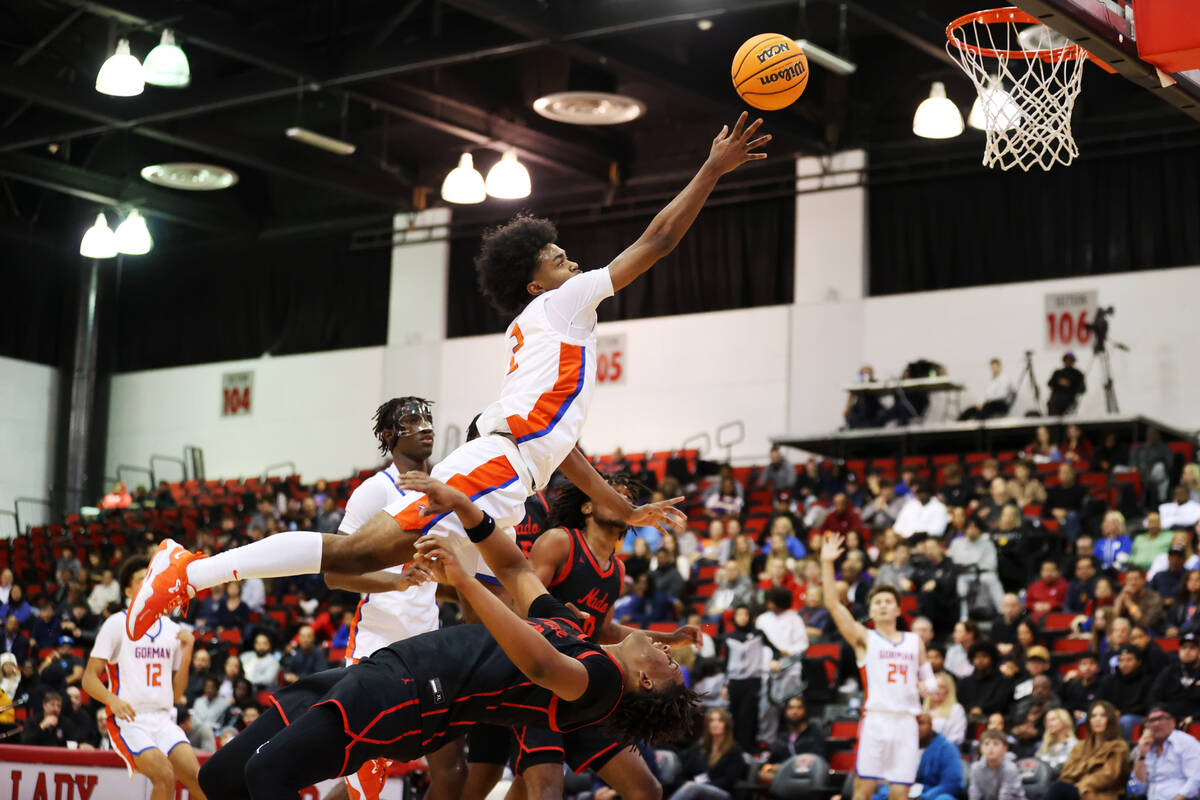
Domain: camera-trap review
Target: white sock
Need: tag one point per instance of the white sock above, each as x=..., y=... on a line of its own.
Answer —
x=277, y=556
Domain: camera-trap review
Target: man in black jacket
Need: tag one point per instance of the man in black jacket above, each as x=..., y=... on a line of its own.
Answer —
x=1080, y=692
x=1065, y=385
x=800, y=734
x=985, y=691
x=1179, y=684
x=1128, y=688
x=937, y=588
x=49, y=729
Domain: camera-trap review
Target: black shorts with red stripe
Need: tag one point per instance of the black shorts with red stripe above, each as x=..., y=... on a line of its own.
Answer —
x=586, y=748
x=490, y=744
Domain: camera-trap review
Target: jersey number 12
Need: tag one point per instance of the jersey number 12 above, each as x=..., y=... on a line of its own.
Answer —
x=154, y=674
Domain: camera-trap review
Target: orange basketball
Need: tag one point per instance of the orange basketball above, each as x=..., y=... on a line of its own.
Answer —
x=770, y=71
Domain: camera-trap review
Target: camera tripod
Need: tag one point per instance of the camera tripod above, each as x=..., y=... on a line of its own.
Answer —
x=1027, y=371
x=1110, y=393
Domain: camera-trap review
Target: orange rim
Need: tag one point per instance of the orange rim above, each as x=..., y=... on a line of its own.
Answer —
x=1012, y=15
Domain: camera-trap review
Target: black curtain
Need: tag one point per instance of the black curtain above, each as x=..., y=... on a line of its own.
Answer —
x=37, y=321
x=1100, y=215
x=224, y=302
x=735, y=256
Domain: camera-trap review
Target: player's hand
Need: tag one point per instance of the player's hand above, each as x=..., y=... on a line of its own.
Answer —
x=122, y=710
x=441, y=555
x=579, y=612
x=415, y=573
x=440, y=497
x=662, y=515
x=732, y=148
x=832, y=549
x=685, y=635
x=186, y=639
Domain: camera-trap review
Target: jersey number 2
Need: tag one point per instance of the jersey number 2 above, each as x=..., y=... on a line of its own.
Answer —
x=154, y=674
x=512, y=362
x=897, y=669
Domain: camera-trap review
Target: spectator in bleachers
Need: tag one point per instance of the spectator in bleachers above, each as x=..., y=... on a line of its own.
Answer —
x=956, y=491
x=1004, y=628
x=1154, y=658
x=923, y=628
x=1081, y=590
x=1181, y=541
x=1182, y=511
x=778, y=474
x=946, y=714
x=78, y=721
x=47, y=627
x=261, y=665
x=1165, y=759
x=781, y=624
x=1153, y=459
x=798, y=734
x=995, y=776
x=1083, y=547
x=1032, y=699
x=881, y=512
x=638, y=562
x=232, y=613
x=13, y=640
x=1109, y=637
x=1114, y=546
x=975, y=556
x=922, y=513
x=817, y=620
x=1185, y=611
x=725, y=501
x=1128, y=689
x=1023, y=488
x=1081, y=690
x=842, y=517
x=1058, y=741
x=118, y=498
x=201, y=668
x=855, y=492
x=745, y=655
x=266, y=512
x=1042, y=450
x=783, y=540
x=1075, y=446
x=856, y=580
x=1064, y=502
x=1112, y=452
x=997, y=397
x=936, y=653
x=61, y=668
x=65, y=559
x=105, y=592
x=1190, y=477
x=899, y=571
x=714, y=765
x=303, y=657
x=937, y=581
x=956, y=526
x=6, y=585
x=1138, y=602
x=329, y=516
x=47, y=729
x=17, y=607
x=163, y=497
x=863, y=410
x=1178, y=685
x=645, y=604
x=670, y=568
x=733, y=589
x=992, y=506
x=208, y=712
x=1047, y=594
x=807, y=486
x=1099, y=765
x=231, y=674
x=958, y=663
x=985, y=691
x=940, y=770
x=1150, y=544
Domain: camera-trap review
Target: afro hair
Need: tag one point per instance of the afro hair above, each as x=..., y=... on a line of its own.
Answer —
x=508, y=256
x=658, y=716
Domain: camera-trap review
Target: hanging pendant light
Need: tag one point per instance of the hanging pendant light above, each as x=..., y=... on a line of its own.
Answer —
x=167, y=64
x=121, y=74
x=1002, y=112
x=937, y=117
x=464, y=184
x=98, y=241
x=508, y=179
x=132, y=235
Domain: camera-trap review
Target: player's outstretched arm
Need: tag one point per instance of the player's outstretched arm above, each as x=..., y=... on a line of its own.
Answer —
x=377, y=582
x=580, y=472
x=730, y=149
x=529, y=651
x=854, y=633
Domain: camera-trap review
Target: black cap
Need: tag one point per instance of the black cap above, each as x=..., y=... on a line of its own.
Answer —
x=1190, y=637
x=1126, y=649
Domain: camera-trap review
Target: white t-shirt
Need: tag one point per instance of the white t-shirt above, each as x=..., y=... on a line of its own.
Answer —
x=1179, y=515
x=786, y=631
x=930, y=518
x=385, y=617
x=551, y=375
x=140, y=672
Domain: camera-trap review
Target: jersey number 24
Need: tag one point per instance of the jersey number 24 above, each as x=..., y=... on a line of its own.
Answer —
x=897, y=669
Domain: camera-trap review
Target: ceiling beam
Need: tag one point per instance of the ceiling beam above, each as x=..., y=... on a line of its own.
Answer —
x=108, y=191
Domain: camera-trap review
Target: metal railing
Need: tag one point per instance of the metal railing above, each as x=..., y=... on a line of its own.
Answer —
x=195, y=455
x=16, y=525
x=703, y=439
x=131, y=468
x=291, y=465
x=34, y=500
x=728, y=442
x=154, y=476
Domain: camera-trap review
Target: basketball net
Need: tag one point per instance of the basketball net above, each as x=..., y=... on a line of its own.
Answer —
x=1027, y=79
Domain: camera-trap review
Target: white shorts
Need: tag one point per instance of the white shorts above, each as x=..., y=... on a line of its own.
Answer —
x=492, y=473
x=149, y=729
x=888, y=749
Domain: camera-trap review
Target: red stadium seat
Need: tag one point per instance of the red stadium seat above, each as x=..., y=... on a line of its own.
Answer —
x=1059, y=621
x=706, y=589
x=844, y=729
x=842, y=761
x=1169, y=645
x=1072, y=645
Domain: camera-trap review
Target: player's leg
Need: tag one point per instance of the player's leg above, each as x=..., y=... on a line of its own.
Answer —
x=187, y=769
x=898, y=791
x=543, y=781
x=864, y=788
x=629, y=775
x=154, y=765
x=447, y=771
x=489, y=749
x=311, y=749
x=481, y=779
x=223, y=776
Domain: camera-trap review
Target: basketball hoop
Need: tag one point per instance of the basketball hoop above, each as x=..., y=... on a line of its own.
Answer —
x=1027, y=95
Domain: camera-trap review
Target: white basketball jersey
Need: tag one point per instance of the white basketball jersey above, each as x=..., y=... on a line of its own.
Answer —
x=385, y=617
x=547, y=389
x=890, y=673
x=140, y=672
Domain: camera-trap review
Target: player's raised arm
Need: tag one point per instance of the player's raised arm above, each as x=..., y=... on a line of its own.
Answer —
x=852, y=631
x=730, y=149
x=580, y=472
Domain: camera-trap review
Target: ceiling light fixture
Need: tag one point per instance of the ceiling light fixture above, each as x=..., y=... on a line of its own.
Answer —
x=589, y=108
x=98, y=241
x=321, y=141
x=132, y=235
x=464, y=184
x=704, y=24
x=1002, y=112
x=190, y=176
x=937, y=117
x=167, y=64
x=121, y=74
x=508, y=179
x=830, y=61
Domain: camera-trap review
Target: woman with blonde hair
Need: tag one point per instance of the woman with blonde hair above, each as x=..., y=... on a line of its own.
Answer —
x=715, y=764
x=1059, y=740
x=948, y=716
x=1098, y=767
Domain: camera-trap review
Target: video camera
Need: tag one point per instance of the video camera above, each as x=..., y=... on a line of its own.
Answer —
x=1099, y=326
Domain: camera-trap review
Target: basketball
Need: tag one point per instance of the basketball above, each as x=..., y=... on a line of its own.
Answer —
x=770, y=71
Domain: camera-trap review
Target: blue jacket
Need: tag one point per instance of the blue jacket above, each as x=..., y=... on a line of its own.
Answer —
x=940, y=772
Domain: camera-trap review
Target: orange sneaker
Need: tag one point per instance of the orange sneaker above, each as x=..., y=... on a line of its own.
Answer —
x=368, y=782
x=164, y=588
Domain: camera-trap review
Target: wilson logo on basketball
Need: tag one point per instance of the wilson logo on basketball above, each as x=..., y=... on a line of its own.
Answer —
x=786, y=74
x=773, y=51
